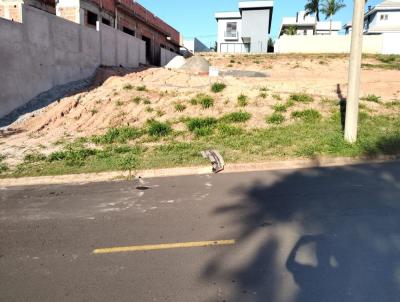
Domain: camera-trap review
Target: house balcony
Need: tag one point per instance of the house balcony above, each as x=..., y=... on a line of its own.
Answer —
x=231, y=35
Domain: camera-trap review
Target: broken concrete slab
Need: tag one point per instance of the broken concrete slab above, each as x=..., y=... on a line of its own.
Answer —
x=176, y=62
x=197, y=65
x=216, y=159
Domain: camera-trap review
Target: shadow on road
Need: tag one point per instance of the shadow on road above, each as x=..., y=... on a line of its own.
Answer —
x=328, y=234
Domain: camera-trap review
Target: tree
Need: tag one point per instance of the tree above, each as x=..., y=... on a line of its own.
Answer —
x=290, y=30
x=312, y=7
x=329, y=8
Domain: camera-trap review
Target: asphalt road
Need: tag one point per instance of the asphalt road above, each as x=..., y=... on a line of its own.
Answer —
x=311, y=235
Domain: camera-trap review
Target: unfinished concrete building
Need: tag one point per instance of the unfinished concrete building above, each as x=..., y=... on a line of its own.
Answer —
x=125, y=15
x=12, y=10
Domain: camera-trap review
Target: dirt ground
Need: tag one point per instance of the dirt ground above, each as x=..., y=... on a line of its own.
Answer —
x=110, y=102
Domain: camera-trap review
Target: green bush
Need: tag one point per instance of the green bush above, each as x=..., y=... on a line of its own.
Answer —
x=237, y=117
x=137, y=100
x=280, y=108
x=117, y=135
x=34, y=157
x=308, y=115
x=73, y=157
x=301, y=98
x=141, y=88
x=197, y=123
x=371, y=98
x=158, y=129
x=242, y=100
x=180, y=107
x=128, y=87
x=218, y=87
x=146, y=101
x=275, y=118
x=206, y=101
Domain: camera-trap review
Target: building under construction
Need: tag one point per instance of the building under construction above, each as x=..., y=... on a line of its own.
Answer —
x=125, y=15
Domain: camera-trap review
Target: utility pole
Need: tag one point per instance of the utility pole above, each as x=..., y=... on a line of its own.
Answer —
x=351, y=124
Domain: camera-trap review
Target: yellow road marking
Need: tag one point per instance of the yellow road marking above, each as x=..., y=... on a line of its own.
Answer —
x=164, y=246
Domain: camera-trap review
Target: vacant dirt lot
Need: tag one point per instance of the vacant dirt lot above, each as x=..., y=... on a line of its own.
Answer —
x=118, y=98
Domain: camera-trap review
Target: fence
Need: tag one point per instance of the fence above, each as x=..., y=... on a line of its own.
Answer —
x=374, y=44
x=45, y=51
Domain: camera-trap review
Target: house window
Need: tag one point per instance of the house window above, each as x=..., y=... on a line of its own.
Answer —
x=231, y=30
x=384, y=17
x=91, y=18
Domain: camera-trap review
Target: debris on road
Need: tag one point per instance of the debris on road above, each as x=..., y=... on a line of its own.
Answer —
x=216, y=159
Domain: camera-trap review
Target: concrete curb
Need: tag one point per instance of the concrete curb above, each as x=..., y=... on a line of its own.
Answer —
x=185, y=171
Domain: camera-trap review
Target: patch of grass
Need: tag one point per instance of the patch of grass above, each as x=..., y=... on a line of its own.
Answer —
x=119, y=103
x=158, y=129
x=280, y=107
x=236, y=117
x=128, y=87
x=276, y=97
x=72, y=157
x=264, y=89
x=117, y=135
x=160, y=113
x=205, y=101
x=218, y=87
x=388, y=59
x=301, y=98
x=263, y=95
x=136, y=100
x=308, y=115
x=141, y=88
x=229, y=130
x=377, y=135
x=3, y=166
x=242, y=100
x=149, y=109
x=94, y=111
x=229, y=65
x=146, y=101
x=371, y=98
x=393, y=104
x=197, y=123
x=34, y=157
x=180, y=107
x=276, y=118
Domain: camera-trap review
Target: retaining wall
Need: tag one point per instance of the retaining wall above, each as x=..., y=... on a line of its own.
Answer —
x=374, y=44
x=45, y=51
x=166, y=56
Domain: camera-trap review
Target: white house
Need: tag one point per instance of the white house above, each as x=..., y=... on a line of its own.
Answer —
x=383, y=18
x=246, y=30
x=308, y=25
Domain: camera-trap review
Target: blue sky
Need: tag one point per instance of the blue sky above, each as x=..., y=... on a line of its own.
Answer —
x=195, y=18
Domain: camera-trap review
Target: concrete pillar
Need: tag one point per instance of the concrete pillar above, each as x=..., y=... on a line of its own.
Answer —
x=351, y=124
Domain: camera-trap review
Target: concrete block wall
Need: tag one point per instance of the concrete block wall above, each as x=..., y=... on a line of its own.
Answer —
x=166, y=56
x=373, y=44
x=45, y=51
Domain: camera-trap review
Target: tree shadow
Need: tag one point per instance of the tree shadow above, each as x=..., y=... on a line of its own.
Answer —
x=61, y=91
x=321, y=234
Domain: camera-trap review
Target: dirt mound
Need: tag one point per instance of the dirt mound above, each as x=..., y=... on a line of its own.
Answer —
x=197, y=65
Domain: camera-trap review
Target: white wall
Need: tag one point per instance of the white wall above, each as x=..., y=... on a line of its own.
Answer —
x=391, y=43
x=45, y=51
x=335, y=44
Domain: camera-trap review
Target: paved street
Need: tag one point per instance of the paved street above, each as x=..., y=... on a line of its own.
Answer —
x=312, y=235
